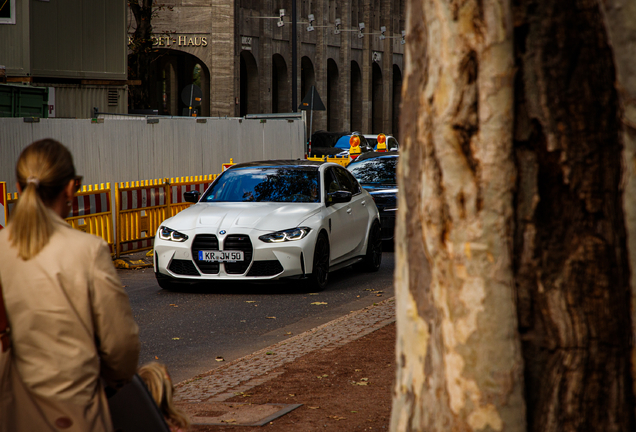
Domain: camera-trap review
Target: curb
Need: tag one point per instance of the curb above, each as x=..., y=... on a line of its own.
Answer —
x=240, y=375
x=134, y=261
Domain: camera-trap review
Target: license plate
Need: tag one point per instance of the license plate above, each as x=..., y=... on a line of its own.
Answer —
x=221, y=256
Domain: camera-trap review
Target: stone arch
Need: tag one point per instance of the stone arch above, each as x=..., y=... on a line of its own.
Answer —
x=356, y=97
x=249, y=85
x=171, y=71
x=333, y=99
x=397, y=100
x=377, y=99
x=281, y=94
x=307, y=76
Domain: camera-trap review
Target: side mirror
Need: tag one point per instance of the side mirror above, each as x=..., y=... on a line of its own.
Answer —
x=192, y=196
x=338, y=197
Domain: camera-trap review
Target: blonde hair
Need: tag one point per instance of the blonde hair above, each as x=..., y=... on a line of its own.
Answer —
x=156, y=377
x=44, y=168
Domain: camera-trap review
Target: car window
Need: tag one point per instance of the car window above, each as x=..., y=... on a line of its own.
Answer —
x=331, y=184
x=375, y=171
x=347, y=181
x=392, y=144
x=265, y=184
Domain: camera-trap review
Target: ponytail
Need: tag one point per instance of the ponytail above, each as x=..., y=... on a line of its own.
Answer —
x=42, y=171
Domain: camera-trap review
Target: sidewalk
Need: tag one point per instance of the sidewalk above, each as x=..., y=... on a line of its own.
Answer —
x=335, y=377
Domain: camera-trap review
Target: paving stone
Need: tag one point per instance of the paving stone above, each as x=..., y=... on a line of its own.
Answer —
x=247, y=372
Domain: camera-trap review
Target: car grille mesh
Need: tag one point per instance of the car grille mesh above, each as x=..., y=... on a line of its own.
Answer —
x=265, y=268
x=205, y=242
x=242, y=243
x=183, y=267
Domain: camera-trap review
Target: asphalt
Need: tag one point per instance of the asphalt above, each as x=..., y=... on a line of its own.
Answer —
x=241, y=375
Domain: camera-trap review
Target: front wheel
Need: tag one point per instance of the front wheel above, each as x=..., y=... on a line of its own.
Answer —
x=373, y=257
x=320, y=271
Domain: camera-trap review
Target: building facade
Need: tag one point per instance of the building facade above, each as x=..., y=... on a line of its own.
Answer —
x=239, y=53
x=76, y=49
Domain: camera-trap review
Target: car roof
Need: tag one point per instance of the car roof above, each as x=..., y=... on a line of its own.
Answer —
x=374, y=155
x=279, y=163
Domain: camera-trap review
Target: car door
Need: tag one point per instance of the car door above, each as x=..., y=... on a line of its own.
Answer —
x=359, y=221
x=340, y=218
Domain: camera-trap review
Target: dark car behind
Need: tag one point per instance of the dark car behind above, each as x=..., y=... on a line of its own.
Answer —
x=376, y=172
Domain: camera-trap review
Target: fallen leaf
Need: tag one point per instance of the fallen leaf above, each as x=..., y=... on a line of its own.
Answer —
x=325, y=376
x=336, y=417
x=243, y=394
x=219, y=359
x=378, y=295
x=318, y=303
x=269, y=353
x=364, y=379
x=271, y=317
x=172, y=304
x=313, y=293
x=362, y=383
x=228, y=421
x=175, y=338
x=243, y=321
x=250, y=301
x=292, y=395
x=288, y=333
x=354, y=411
x=156, y=358
x=124, y=286
x=313, y=407
x=358, y=370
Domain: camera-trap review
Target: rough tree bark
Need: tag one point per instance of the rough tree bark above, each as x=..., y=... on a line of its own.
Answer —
x=621, y=26
x=459, y=356
x=510, y=187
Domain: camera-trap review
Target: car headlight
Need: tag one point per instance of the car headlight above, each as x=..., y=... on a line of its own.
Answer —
x=286, y=235
x=169, y=234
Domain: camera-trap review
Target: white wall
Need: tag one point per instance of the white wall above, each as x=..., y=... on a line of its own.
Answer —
x=132, y=149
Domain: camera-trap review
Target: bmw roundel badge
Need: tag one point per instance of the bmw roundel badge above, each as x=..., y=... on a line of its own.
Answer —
x=222, y=232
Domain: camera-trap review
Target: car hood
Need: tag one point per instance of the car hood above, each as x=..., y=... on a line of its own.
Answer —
x=228, y=216
x=384, y=196
x=380, y=190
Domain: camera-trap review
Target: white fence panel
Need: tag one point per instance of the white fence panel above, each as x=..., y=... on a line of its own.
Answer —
x=134, y=149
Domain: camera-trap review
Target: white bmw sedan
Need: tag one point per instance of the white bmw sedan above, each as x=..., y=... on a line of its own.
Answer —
x=271, y=220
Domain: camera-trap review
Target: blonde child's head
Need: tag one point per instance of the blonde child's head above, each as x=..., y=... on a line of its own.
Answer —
x=158, y=381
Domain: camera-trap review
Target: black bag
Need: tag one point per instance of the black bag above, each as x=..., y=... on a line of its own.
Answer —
x=133, y=409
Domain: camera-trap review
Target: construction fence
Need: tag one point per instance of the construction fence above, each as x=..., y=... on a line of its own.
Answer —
x=140, y=208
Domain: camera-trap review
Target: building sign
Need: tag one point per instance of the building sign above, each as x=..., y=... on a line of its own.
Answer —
x=175, y=41
x=246, y=43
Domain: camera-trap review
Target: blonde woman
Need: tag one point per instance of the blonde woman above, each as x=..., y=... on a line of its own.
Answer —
x=156, y=377
x=72, y=329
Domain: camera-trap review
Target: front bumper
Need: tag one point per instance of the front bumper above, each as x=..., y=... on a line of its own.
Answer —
x=262, y=261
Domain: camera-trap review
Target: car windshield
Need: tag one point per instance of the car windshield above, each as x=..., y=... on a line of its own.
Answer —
x=266, y=184
x=379, y=171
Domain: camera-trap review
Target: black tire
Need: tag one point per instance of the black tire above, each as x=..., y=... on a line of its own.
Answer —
x=373, y=258
x=320, y=269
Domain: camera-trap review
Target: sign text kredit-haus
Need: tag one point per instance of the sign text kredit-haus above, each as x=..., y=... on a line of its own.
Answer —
x=182, y=41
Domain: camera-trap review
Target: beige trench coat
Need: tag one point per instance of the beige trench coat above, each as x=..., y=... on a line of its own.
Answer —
x=71, y=327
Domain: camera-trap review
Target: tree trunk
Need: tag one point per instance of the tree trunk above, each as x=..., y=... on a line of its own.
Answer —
x=459, y=357
x=621, y=26
x=571, y=268
x=510, y=188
